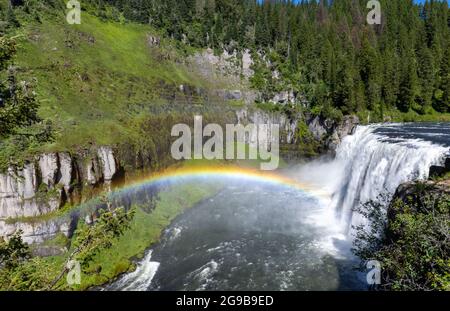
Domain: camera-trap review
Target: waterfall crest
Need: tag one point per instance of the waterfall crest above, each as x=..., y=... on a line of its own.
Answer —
x=370, y=163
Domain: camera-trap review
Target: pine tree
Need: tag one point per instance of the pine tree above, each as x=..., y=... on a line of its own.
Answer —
x=427, y=78
x=408, y=89
x=441, y=100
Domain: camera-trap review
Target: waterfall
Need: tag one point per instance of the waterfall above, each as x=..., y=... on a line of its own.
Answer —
x=370, y=164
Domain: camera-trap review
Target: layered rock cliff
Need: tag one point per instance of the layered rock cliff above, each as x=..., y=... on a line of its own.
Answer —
x=327, y=133
x=45, y=184
x=53, y=179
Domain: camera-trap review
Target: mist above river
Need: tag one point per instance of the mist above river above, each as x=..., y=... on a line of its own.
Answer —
x=251, y=237
x=256, y=235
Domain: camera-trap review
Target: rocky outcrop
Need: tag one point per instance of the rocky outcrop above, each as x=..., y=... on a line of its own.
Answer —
x=211, y=65
x=417, y=192
x=35, y=232
x=107, y=162
x=283, y=98
x=438, y=171
x=342, y=129
x=248, y=97
x=49, y=181
x=258, y=117
x=331, y=132
x=236, y=68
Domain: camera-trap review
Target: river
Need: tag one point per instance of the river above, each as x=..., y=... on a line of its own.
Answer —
x=259, y=236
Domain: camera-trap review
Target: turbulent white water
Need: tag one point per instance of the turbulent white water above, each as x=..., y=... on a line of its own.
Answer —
x=253, y=236
x=141, y=278
x=371, y=163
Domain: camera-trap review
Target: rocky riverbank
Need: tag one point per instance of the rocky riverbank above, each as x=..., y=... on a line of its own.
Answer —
x=414, y=249
x=417, y=191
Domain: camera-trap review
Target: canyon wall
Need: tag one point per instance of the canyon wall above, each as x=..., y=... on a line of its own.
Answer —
x=327, y=133
x=47, y=183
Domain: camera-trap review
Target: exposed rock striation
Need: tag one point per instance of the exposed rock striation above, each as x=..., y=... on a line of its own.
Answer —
x=35, y=232
x=51, y=180
x=331, y=133
x=328, y=133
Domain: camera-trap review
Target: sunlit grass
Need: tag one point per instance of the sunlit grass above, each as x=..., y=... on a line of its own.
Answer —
x=94, y=79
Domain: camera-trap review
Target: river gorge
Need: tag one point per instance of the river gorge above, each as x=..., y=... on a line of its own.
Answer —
x=291, y=229
x=261, y=233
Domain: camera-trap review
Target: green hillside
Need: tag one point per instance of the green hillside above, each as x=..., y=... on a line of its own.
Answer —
x=98, y=83
x=93, y=80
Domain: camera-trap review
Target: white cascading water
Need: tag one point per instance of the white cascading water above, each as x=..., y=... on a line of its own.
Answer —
x=367, y=165
x=370, y=164
x=141, y=278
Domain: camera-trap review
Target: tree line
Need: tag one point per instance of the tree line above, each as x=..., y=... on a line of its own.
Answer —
x=324, y=49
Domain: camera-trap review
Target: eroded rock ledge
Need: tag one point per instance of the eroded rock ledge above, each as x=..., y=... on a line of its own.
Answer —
x=48, y=182
x=51, y=180
x=328, y=133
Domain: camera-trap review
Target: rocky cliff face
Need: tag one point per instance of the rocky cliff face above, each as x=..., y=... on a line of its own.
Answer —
x=237, y=68
x=47, y=183
x=328, y=133
x=35, y=232
x=259, y=117
x=438, y=171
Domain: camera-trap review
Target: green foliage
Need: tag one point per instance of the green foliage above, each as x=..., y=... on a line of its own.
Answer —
x=392, y=65
x=412, y=245
x=20, y=126
x=96, y=80
x=8, y=49
x=307, y=145
x=145, y=230
x=90, y=240
x=19, y=272
x=32, y=275
x=237, y=103
x=18, y=107
x=13, y=252
x=15, y=149
x=105, y=249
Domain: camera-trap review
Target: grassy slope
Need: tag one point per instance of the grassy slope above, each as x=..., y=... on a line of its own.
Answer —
x=95, y=79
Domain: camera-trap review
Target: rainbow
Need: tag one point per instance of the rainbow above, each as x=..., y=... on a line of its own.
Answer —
x=185, y=173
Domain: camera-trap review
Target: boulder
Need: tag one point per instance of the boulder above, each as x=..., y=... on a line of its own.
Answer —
x=437, y=171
